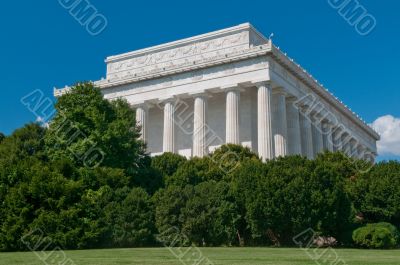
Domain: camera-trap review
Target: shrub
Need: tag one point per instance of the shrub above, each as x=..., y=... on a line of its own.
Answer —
x=289, y=195
x=376, y=194
x=379, y=235
x=167, y=163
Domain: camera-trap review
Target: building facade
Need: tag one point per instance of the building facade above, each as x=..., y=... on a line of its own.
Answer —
x=232, y=86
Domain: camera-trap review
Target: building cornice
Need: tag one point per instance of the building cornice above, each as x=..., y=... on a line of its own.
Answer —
x=183, y=42
x=195, y=65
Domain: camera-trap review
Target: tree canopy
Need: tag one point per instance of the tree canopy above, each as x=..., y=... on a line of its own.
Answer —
x=87, y=182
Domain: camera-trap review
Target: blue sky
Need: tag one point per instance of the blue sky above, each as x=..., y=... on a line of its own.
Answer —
x=43, y=46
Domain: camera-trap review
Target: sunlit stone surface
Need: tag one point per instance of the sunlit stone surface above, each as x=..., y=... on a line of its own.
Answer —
x=232, y=86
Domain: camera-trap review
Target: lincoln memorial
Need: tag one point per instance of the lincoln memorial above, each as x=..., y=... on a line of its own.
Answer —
x=232, y=86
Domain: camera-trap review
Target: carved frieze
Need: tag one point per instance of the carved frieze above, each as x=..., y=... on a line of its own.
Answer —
x=188, y=77
x=187, y=55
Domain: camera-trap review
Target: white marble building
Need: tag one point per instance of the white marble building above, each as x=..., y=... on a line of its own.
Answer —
x=232, y=86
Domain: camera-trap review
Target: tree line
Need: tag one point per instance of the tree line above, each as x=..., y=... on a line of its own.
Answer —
x=124, y=198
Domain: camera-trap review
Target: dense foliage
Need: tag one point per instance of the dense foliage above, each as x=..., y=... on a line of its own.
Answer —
x=84, y=182
x=376, y=195
x=87, y=182
x=379, y=235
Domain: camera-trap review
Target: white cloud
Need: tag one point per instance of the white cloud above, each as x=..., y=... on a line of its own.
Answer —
x=389, y=129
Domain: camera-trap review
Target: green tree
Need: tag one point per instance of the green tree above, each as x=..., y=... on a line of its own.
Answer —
x=21, y=154
x=193, y=172
x=228, y=157
x=93, y=131
x=168, y=205
x=205, y=214
x=277, y=199
x=2, y=136
x=376, y=193
x=45, y=200
x=288, y=195
x=24, y=143
x=168, y=163
x=245, y=180
x=49, y=182
x=95, y=205
x=331, y=202
x=134, y=221
x=17, y=152
x=210, y=215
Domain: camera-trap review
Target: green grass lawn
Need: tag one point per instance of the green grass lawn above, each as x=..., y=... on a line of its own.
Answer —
x=219, y=256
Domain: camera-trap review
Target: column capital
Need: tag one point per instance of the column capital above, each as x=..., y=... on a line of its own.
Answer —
x=143, y=105
x=279, y=91
x=328, y=123
x=339, y=129
x=232, y=87
x=326, y=126
x=346, y=133
x=172, y=99
x=353, y=140
x=304, y=109
x=200, y=94
x=291, y=99
x=262, y=84
x=305, y=101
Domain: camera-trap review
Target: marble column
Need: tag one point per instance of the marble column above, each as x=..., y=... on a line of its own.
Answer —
x=346, y=143
x=280, y=123
x=369, y=156
x=169, y=127
x=337, y=138
x=373, y=157
x=360, y=151
x=327, y=136
x=142, y=112
x=232, y=116
x=353, y=148
x=199, y=128
x=293, y=128
x=306, y=136
x=318, y=143
x=264, y=121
